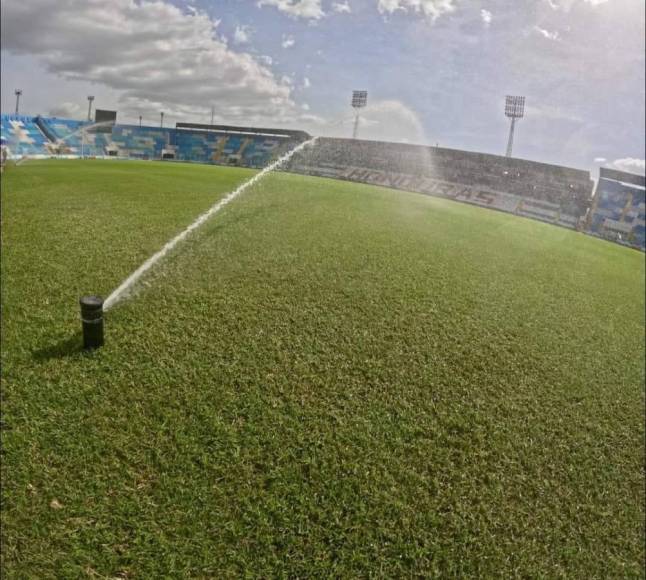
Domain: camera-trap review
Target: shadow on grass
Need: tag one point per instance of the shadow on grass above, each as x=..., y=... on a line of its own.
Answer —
x=67, y=347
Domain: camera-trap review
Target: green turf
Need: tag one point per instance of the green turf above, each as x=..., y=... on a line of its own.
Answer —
x=328, y=380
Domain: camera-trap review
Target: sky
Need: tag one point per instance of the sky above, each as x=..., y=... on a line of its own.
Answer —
x=436, y=71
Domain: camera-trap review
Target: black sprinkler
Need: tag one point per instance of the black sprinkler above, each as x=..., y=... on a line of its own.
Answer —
x=92, y=319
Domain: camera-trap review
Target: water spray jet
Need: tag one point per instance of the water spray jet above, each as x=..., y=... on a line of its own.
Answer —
x=124, y=288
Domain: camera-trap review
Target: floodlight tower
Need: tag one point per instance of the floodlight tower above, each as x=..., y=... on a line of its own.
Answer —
x=18, y=92
x=161, y=124
x=140, y=120
x=359, y=101
x=90, y=98
x=514, y=109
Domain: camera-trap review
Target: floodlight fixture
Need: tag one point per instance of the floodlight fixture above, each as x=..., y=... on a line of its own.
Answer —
x=359, y=101
x=90, y=98
x=18, y=92
x=514, y=109
x=161, y=124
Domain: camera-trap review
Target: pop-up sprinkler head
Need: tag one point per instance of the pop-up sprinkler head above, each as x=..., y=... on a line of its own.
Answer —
x=92, y=319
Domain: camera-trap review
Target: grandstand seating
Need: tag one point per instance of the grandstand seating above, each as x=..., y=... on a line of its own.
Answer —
x=142, y=142
x=22, y=136
x=26, y=135
x=200, y=147
x=73, y=137
x=554, y=194
x=618, y=208
x=196, y=145
x=550, y=193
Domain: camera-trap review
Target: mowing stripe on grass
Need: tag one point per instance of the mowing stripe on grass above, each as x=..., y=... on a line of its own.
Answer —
x=122, y=291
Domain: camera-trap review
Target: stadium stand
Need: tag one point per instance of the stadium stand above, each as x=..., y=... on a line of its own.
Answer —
x=231, y=145
x=618, y=208
x=70, y=137
x=197, y=145
x=218, y=144
x=21, y=136
x=142, y=142
x=554, y=194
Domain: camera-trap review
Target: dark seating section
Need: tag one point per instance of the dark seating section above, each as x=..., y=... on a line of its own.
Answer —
x=618, y=208
x=569, y=189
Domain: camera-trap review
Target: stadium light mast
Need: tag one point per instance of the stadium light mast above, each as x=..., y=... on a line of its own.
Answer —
x=161, y=123
x=18, y=92
x=359, y=101
x=140, y=120
x=90, y=98
x=514, y=109
x=212, y=114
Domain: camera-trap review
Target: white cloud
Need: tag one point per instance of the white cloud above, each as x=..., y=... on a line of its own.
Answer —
x=305, y=107
x=266, y=59
x=486, y=16
x=152, y=54
x=306, y=83
x=242, y=34
x=630, y=164
x=390, y=120
x=308, y=9
x=566, y=5
x=288, y=41
x=547, y=112
x=600, y=160
x=546, y=33
x=432, y=9
x=68, y=110
x=341, y=7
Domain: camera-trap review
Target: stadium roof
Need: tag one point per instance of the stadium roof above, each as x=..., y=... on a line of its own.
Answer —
x=623, y=176
x=301, y=135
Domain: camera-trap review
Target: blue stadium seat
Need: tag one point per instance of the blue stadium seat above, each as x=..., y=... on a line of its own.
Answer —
x=22, y=136
x=619, y=207
x=74, y=137
x=25, y=135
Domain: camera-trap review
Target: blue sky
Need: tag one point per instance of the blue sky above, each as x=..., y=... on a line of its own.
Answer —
x=437, y=71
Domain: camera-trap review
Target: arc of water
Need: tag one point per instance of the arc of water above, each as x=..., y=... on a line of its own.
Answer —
x=82, y=129
x=123, y=289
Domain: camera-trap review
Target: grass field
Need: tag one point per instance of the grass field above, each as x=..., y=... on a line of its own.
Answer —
x=327, y=380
